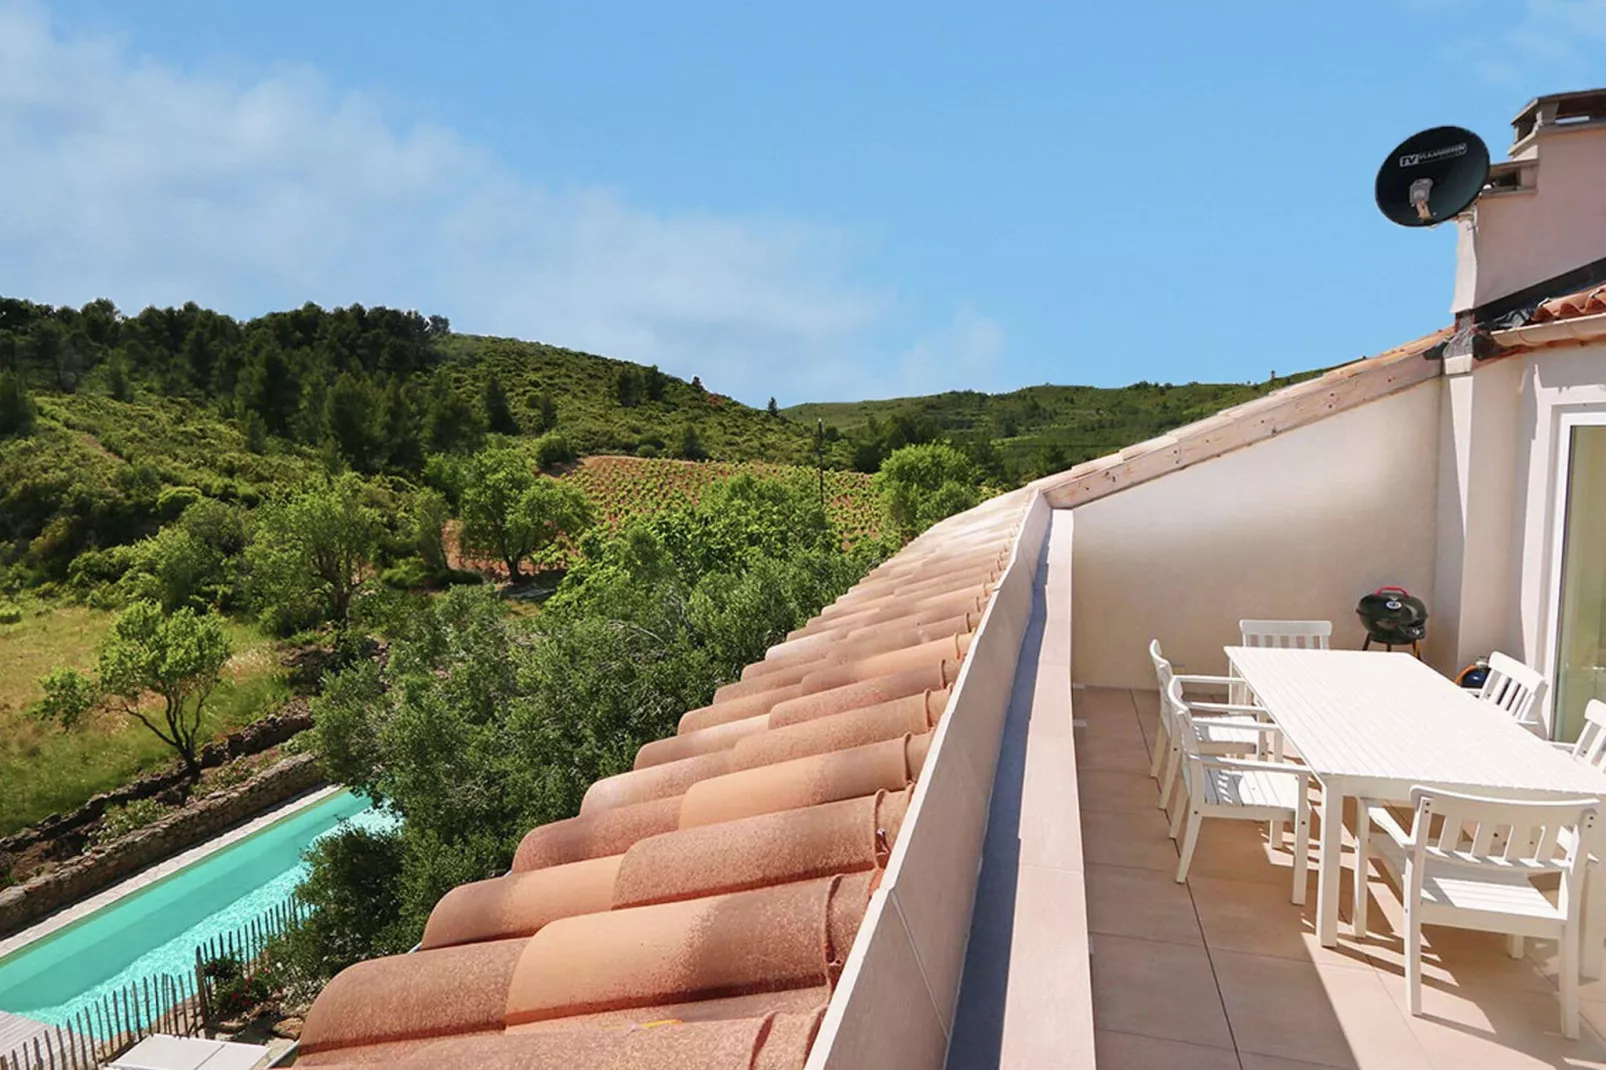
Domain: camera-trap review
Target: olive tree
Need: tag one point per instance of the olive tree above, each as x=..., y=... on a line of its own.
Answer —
x=178, y=658
x=312, y=554
x=510, y=513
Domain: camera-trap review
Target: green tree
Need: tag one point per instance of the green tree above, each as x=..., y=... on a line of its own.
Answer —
x=546, y=412
x=177, y=657
x=688, y=446
x=919, y=485
x=16, y=407
x=451, y=424
x=510, y=513
x=350, y=410
x=69, y=695
x=312, y=554
x=498, y=414
x=773, y=409
x=429, y=514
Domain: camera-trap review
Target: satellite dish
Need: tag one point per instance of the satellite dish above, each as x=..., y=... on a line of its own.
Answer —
x=1432, y=176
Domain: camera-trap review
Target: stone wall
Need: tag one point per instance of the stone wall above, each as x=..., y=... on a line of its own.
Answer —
x=201, y=820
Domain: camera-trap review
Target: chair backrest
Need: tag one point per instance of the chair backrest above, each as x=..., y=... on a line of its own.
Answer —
x=1512, y=686
x=1501, y=836
x=1162, y=668
x=1182, y=719
x=1299, y=634
x=1590, y=746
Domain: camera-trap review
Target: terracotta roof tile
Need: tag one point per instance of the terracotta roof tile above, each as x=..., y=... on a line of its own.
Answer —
x=721, y=882
x=408, y=997
x=1589, y=302
x=518, y=904
x=790, y=845
x=890, y=765
x=788, y=936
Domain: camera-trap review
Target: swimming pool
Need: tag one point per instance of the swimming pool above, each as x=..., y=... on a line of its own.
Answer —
x=155, y=930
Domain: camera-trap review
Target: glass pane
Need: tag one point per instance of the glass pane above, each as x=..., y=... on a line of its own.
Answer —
x=1581, y=649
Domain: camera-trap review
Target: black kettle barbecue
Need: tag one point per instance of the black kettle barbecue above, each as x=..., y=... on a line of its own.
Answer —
x=1394, y=617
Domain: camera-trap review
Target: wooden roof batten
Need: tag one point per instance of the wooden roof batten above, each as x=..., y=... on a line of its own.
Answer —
x=1341, y=389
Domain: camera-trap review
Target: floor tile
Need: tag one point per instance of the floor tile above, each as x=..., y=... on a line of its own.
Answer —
x=1494, y=1028
x=1126, y=1051
x=1093, y=752
x=1280, y=1007
x=1256, y=918
x=1157, y=990
x=1128, y=838
x=1116, y=789
x=1143, y=903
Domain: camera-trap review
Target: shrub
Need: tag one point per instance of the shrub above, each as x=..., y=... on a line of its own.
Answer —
x=119, y=821
x=235, y=990
x=410, y=574
x=919, y=485
x=553, y=449
x=69, y=694
x=172, y=502
x=10, y=613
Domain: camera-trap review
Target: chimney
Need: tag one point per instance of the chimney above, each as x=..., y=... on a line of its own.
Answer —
x=1539, y=228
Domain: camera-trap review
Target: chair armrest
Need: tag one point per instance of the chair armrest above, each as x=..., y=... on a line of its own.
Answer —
x=1379, y=815
x=1225, y=707
x=1253, y=765
x=1564, y=747
x=1238, y=722
x=1196, y=678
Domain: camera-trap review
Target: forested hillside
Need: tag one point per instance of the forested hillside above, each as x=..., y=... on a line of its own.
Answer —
x=1029, y=432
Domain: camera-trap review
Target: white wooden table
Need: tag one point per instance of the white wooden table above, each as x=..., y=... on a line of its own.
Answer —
x=1374, y=725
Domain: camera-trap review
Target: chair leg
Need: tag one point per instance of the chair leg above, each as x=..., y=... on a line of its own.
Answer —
x=1162, y=744
x=1568, y=967
x=1413, y=960
x=1593, y=953
x=1301, y=851
x=1363, y=834
x=1190, y=840
x=1184, y=802
x=1514, y=945
x=1168, y=779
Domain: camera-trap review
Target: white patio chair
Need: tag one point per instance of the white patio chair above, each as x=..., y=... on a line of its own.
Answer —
x=1298, y=634
x=1219, y=727
x=1590, y=749
x=1476, y=872
x=1241, y=788
x=1513, y=687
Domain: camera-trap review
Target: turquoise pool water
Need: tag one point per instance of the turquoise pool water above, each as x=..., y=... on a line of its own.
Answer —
x=156, y=930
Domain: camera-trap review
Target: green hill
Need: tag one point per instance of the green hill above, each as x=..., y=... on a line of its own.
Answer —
x=1032, y=431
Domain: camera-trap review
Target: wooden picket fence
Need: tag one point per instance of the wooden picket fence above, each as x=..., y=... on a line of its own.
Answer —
x=112, y=1024
x=178, y=1006
x=244, y=944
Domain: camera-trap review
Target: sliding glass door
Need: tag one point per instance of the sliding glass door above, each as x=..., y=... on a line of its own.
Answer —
x=1580, y=672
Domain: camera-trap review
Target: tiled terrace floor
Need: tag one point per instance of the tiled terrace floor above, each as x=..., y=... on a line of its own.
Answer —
x=1226, y=973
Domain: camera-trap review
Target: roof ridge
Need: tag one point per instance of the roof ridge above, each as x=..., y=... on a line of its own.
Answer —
x=1336, y=390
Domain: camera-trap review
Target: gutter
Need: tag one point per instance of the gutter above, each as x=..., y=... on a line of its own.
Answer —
x=1577, y=329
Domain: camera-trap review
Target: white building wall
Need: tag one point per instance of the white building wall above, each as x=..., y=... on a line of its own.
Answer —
x=1555, y=384
x=1296, y=526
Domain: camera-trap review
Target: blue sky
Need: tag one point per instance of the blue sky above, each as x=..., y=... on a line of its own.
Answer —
x=845, y=201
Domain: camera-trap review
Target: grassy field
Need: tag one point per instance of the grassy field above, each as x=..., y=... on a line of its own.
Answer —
x=43, y=769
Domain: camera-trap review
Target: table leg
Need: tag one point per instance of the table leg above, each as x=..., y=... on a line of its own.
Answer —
x=1332, y=864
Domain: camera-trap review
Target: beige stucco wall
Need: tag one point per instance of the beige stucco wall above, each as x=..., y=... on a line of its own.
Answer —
x=1524, y=238
x=1296, y=526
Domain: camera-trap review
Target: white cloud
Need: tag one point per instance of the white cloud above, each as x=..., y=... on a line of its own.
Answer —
x=129, y=178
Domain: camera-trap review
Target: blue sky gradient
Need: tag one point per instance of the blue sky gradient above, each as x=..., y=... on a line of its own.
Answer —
x=856, y=200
